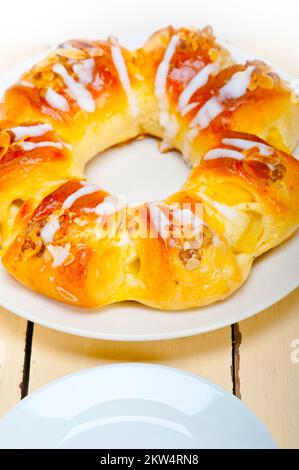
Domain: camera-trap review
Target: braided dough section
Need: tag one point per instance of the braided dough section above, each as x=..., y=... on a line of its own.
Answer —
x=236, y=124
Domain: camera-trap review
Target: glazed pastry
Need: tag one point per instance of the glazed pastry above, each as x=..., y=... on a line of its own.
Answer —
x=235, y=124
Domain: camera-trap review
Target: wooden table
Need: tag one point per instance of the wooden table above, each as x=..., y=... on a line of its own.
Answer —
x=251, y=359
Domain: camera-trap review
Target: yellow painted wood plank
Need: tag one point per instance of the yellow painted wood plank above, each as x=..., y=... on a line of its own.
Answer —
x=55, y=354
x=269, y=376
x=12, y=343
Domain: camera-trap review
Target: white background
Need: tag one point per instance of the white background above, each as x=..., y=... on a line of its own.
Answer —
x=267, y=27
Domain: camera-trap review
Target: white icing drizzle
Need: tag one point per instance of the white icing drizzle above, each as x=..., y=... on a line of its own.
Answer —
x=197, y=82
x=191, y=134
x=80, y=222
x=162, y=71
x=67, y=145
x=77, y=90
x=188, y=108
x=228, y=153
x=209, y=111
x=109, y=205
x=83, y=191
x=245, y=144
x=233, y=89
x=98, y=82
x=52, y=226
x=66, y=294
x=37, y=130
x=26, y=84
x=167, y=122
x=84, y=70
x=27, y=146
x=49, y=230
x=223, y=153
x=269, y=165
x=122, y=70
x=56, y=100
x=237, y=85
x=59, y=254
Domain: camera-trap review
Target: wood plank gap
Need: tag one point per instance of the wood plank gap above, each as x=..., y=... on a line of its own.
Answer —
x=24, y=385
x=235, y=367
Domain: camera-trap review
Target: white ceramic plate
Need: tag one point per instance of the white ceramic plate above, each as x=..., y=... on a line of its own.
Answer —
x=142, y=173
x=132, y=406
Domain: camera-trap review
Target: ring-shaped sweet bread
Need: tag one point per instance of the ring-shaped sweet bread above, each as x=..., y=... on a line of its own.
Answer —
x=235, y=125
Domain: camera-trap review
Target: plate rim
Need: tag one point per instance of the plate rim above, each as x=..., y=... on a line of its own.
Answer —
x=148, y=365
x=222, y=323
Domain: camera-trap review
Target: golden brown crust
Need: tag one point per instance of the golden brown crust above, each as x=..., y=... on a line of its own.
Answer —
x=261, y=189
x=78, y=244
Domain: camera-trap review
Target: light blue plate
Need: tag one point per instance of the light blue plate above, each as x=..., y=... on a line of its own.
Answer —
x=132, y=406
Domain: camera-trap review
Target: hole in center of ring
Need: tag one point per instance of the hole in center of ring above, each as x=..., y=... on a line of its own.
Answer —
x=138, y=171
